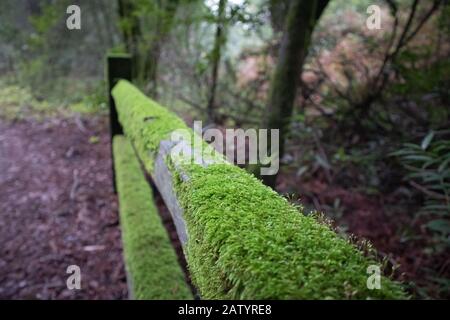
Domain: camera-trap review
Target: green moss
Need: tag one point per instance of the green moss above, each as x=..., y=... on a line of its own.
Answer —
x=149, y=256
x=246, y=241
x=18, y=103
x=118, y=55
x=144, y=121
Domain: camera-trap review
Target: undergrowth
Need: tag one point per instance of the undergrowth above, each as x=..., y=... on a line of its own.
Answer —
x=20, y=102
x=151, y=261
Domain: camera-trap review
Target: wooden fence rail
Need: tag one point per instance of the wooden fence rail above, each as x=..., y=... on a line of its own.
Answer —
x=153, y=271
x=241, y=239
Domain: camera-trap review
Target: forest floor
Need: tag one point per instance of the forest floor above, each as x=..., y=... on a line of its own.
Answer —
x=388, y=224
x=58, y=209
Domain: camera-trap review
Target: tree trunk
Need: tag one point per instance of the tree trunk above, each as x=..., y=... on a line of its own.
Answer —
x=150, y=69
x=280, y=8
x=298, y=28
x=163, y=17
x=215, y=58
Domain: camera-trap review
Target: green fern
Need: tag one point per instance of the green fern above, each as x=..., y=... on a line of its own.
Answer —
x=428, y=167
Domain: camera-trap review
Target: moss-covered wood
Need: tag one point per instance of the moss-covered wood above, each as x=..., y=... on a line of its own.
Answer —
x=244, y=240
x=151, y=262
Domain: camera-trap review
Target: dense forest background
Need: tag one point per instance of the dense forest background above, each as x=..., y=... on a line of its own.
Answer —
x=364, y=113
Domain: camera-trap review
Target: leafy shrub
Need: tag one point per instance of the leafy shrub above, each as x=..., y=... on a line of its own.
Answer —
x=428, y=170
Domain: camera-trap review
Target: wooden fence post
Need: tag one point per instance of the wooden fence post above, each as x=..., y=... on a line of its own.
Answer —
x=118, y=66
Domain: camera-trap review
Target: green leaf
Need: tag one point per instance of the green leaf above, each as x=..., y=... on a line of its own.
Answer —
x=418, y=158
x=444, y=165
x=426, y=141
x=322, y=161
x=439, y=225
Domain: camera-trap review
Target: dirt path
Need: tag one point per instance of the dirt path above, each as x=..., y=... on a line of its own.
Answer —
x=58, y=209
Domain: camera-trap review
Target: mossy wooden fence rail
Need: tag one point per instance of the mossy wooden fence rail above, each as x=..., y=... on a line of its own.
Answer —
x=241, y=239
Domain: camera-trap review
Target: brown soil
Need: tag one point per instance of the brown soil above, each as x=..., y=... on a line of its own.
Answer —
x=58, y=209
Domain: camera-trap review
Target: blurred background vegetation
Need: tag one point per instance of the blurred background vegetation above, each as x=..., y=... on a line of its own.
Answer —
x=366, y=139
